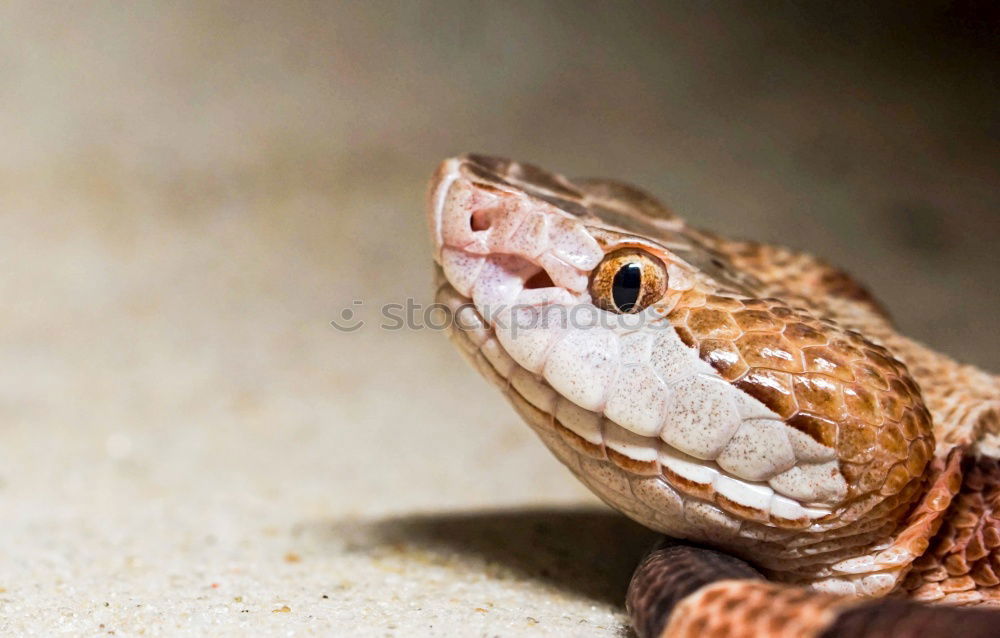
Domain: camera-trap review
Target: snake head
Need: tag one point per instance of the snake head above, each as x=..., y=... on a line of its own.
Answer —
x=659, y=371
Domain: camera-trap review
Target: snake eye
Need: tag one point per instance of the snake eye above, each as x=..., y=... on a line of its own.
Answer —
x=627, y=281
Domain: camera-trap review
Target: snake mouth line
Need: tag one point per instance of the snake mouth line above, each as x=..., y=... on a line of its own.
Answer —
x=597, y=437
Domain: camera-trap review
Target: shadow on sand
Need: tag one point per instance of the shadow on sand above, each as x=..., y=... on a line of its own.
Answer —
x=586, y=552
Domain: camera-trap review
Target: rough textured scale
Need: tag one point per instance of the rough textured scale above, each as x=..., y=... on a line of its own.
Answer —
x=762, y=403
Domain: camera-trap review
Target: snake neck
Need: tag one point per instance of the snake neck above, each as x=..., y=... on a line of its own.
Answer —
x=961, y=563
x=963, y=400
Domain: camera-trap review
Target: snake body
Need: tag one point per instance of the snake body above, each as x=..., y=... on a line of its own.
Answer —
x=736, y=395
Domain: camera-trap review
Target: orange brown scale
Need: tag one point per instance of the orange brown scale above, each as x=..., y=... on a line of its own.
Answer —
x=686, y=337
x=744, y=511
x=790, y=523
x=580, y=444
x=627, y=463
x=770, y=351
x=751, y=320
x=724, y=303
x=711, y=323
x=821, y=430
x=832, y=384
x=820, y=395
x=703, y=491
x=823, y=360
x=862, y=404
x=803, y=335
x=746, y=608
x=773, y=389
x=724, y=357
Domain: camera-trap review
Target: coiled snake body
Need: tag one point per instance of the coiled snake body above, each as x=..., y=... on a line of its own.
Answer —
x=742, y=397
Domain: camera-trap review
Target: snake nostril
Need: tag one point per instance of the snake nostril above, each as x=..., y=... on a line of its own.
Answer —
x=480, y=220
x=540, y=279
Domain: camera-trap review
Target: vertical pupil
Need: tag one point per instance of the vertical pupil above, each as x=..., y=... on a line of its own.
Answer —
x=626, y=286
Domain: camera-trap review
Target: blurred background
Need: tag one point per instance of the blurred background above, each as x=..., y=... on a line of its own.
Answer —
x=191, y=191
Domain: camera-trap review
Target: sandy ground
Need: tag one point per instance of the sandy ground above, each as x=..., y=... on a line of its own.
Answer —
x=189, y=193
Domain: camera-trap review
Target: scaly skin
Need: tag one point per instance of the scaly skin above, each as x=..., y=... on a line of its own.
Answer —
x=762, y=404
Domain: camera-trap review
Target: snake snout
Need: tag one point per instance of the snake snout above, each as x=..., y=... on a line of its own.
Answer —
x=496, y=243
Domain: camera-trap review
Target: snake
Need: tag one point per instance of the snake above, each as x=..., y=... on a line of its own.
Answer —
x=812, y=471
